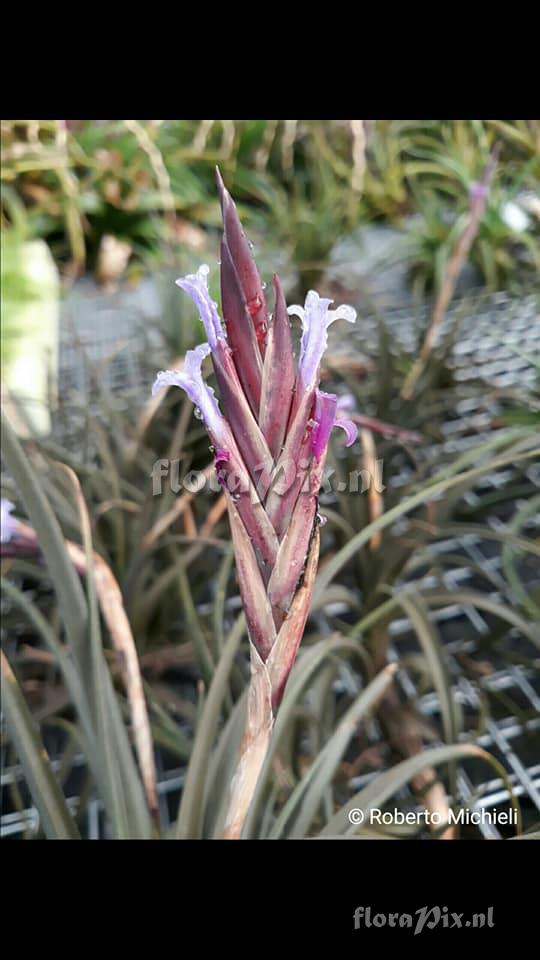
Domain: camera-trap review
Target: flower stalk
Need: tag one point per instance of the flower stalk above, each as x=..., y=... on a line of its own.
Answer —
x=478, y=199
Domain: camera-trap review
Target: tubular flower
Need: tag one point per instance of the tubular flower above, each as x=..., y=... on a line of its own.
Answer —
x=316, y=318
x=196, y=286
x=191, y=380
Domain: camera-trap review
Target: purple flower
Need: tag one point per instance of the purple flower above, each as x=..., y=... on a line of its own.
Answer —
x=190, y=379
x=478, y=191
x=325, y=420
x=196, y=286
x=8, y=524
x=316, y=318
x=324, y=416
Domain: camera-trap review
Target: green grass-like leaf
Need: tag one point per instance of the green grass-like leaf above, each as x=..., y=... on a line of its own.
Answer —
x=55, y=817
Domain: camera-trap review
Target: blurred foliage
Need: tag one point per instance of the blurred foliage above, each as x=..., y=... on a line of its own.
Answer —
x=17, y=286
x=306, y=183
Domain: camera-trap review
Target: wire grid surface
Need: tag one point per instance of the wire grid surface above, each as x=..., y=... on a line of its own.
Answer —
x=493, y=328
x=499, y=337
x=496, y=336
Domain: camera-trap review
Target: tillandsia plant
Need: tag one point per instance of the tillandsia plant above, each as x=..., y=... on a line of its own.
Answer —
x=18, y=539
x=269, y=441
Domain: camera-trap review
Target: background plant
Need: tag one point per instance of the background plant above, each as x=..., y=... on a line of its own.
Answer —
x=304, y=183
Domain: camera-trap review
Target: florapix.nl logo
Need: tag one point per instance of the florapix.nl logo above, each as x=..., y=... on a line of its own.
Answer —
x=425, y=918
x=280, y=481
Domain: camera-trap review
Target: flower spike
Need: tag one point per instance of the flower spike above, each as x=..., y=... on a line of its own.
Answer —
x=270, y=436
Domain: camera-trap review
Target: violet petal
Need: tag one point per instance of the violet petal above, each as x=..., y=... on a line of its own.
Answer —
x=350, y=429
x=196, y=287
x=316, y=318
x=324, y=416
x=190, y=379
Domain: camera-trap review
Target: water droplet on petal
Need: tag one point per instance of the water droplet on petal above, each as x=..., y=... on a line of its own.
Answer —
x=322, y=520
x=197, y=414
x=254, y=305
